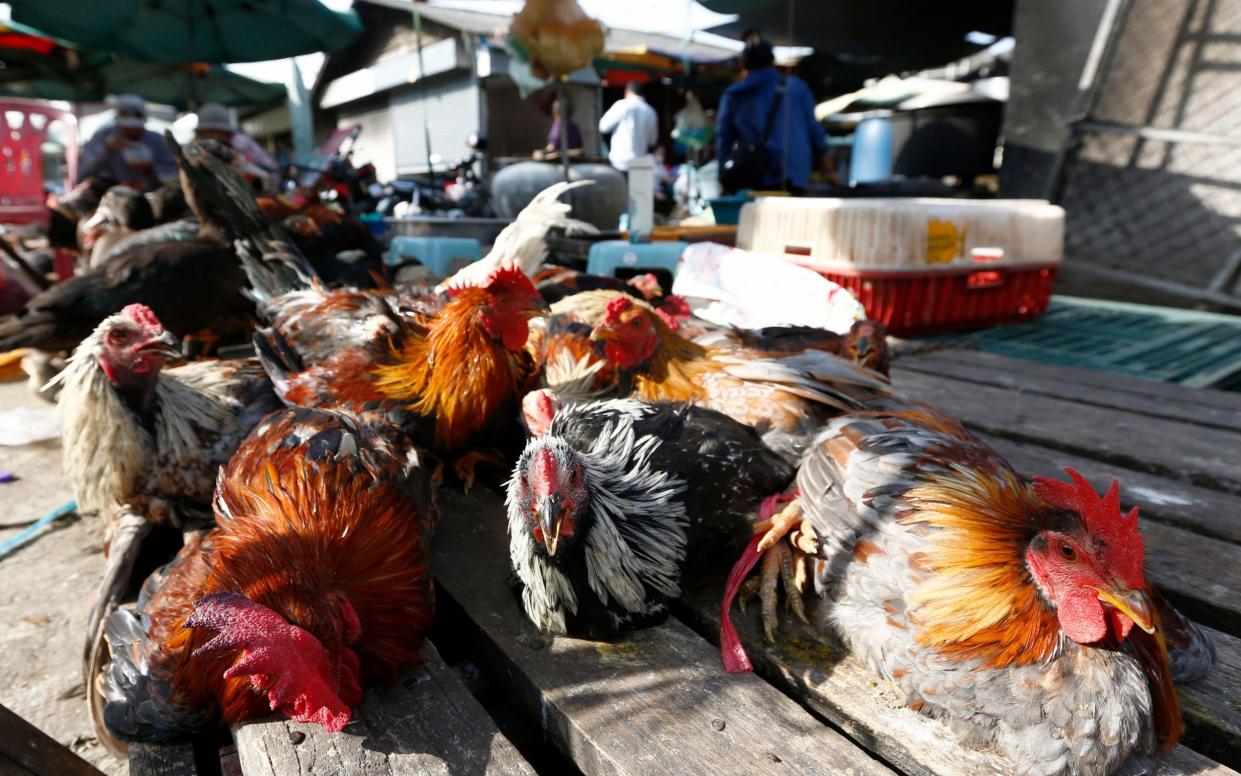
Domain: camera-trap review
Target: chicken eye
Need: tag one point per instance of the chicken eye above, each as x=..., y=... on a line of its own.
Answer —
x=1068, y=553
x=118, y=336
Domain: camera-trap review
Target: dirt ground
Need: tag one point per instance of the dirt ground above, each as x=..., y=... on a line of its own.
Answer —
x=45, y=591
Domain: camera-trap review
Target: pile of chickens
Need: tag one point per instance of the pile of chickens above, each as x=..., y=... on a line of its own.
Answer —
x=300, y=487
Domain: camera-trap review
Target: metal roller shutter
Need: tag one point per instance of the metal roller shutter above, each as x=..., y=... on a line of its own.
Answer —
x=450, y=108
x=375, y=141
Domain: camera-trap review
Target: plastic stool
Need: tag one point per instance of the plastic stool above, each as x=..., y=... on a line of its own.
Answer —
x=607, y=256
x=441, y=255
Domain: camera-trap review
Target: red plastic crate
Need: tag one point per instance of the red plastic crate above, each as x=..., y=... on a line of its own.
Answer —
x=927, y=301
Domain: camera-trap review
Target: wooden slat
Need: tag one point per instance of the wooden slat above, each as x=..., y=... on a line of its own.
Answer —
x=1201, y=510
x=1204, y=456
x=162, y=760
x=839, y=687
x=1212, y=706
x=1106, y=389
x=658, y=702
x=26, y=749
x=426, y=722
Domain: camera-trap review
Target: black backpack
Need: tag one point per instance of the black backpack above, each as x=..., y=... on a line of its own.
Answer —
x=745, y=163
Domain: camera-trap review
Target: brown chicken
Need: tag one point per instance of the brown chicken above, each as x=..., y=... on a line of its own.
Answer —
x=785, y=396
x=314, y=583
x=143, y=443
x=1019, y=614
x=455, y=374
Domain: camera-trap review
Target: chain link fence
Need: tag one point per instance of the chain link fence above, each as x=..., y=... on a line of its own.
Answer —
x=1153, y=183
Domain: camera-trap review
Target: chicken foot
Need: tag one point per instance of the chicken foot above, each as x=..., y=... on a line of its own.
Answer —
x=464, y=466
x=784, y=562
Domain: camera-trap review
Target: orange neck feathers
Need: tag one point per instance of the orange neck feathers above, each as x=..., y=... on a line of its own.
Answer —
x=457, y=373
x=674, y=371
x=978, y=602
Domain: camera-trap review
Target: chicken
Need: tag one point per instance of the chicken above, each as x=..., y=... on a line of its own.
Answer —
x=143, y=444
x=607, y=508
x=1018, y=614
x=123, y=211
x=314, y=583
x=457, y=375
x=865, y=343
x=786, y=396
x=521, y=244
x=193, y=285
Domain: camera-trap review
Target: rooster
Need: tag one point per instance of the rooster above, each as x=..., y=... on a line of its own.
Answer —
x=606, y=508
x=786, y=396
x=143, y=444
x=314, y=583
x=561, y=345
x=455, y=374
x=522, y=243
x=1017, y=613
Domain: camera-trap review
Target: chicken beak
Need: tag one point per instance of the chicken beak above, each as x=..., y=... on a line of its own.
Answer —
x=1134, y=604
x=551, y=516
x=602, y=334
x=166, y=344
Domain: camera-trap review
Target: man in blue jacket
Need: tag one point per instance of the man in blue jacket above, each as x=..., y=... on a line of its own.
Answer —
x=796, y=140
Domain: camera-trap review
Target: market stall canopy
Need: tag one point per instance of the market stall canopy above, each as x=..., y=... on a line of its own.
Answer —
x=38, y=67
x=859, y=39
x=215, y=31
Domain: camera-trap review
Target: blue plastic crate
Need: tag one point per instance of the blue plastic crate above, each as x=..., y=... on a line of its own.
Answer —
x=1187, y=347
x=442, y=255
x=608, y=256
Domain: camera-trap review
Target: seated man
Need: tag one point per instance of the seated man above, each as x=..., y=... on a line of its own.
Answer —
x=127, y=152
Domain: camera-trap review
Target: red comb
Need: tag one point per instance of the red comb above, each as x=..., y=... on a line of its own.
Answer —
x=545, y=477
x=615, y=307
x=289, y=663
x=511, y=278
x=539, y=409
x=674, y=310
x=142, y=315
x=1122, y=544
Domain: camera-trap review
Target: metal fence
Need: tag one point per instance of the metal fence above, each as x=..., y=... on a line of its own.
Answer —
x=1152, y=180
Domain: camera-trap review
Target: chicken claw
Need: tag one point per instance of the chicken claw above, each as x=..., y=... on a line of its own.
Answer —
x=779, y=525
x=464, y=466
x=784, y=562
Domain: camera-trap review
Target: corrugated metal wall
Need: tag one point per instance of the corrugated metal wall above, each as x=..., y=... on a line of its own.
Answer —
x=1164, y=206
x=374, y=144
x=449, y=107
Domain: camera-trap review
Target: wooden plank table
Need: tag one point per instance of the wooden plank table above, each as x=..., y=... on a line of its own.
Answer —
x=659, y=700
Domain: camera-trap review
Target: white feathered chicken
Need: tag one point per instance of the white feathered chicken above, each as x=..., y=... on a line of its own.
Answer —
x=522, y=243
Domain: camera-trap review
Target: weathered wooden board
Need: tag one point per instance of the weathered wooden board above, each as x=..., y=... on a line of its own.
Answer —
x=426, y=722
x=24, y=749
x=658, y=702
x=162, y=760
x=1212, y=705
x=1104, y=389
x=1202, y=455
x=848, y=694
x=1201, y=510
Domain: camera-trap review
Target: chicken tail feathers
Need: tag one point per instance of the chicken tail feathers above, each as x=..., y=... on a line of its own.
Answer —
x=273, y=268
x=278, y=359
x=25, y=331
x=133, y=704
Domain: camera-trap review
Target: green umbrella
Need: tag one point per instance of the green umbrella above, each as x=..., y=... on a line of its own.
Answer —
x=194, y=30
x=169, y=84
x=39, y=68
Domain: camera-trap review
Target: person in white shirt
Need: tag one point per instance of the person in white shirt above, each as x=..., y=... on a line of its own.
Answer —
x=634, y=127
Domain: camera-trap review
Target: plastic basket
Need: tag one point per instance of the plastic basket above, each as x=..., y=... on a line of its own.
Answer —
x=926, y=301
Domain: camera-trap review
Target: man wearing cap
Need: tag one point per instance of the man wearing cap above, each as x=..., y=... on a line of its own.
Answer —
x=215, y=122
x=127, y=152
